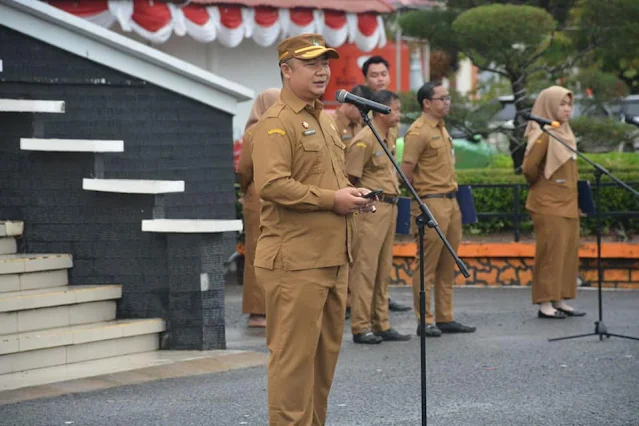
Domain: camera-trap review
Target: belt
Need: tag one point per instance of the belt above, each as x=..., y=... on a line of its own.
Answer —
x=451, y=195
x=390, y=199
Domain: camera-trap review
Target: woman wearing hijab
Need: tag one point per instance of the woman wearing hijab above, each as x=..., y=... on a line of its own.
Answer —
x=551, y=171
x=252, y=293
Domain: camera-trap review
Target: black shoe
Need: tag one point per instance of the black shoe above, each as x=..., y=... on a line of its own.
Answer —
x=348, y=313
x=397, y=307
x=573, y=313
x=367, y=338
x=391, y=335
x=557, y=315
x=455, y=327
x=431, y=331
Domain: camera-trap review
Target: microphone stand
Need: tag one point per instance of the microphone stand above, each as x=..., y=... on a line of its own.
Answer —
x=426, y=218
x=600, y=328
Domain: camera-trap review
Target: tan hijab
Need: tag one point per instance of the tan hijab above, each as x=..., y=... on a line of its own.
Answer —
x=546, y=106
x=262, y=103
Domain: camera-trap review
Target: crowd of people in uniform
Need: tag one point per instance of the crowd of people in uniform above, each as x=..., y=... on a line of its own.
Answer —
x=320, y=250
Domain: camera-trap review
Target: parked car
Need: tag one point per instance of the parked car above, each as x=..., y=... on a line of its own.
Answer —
x=505, y=118
x=470, y=152
x=629, y=107
x=583, y=107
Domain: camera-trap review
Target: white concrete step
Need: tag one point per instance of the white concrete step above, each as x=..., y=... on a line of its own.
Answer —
x=133, y=186
x=185, y=226
x=57, y=296
x=33, y=280
x=78, y=370
x=73, y=335
x=8, y=245
x=71, y=145
x=11, y=228
x=61, y=355
x=29, y=105
x=57, y=316
x=28, y=262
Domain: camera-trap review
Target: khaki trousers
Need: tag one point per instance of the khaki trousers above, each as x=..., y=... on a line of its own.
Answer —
x=305, y=311
x=556, y=258
x=252, y=291
x=439, y=265
x=371, y=268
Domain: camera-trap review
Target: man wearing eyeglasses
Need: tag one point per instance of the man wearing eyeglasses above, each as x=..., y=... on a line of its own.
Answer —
x=429, y=163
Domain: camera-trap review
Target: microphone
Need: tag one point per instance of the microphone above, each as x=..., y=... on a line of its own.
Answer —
x=541, y=121
x=344, y=96
x=631, y=120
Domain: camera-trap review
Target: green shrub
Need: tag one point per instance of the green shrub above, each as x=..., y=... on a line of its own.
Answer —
x=502, y=199
x=602, y=134
x=613, y=199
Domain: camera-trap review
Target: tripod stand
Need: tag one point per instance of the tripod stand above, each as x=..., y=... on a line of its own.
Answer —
x=425, y=218
x=600, y=327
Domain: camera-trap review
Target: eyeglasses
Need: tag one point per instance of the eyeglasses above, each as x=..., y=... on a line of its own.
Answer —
x=442, y=98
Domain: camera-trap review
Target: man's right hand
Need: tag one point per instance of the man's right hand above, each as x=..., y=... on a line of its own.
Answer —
x=349, y=200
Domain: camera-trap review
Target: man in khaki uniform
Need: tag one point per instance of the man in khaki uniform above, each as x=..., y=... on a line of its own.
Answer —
x=304, y=248
x=377, y=77
x=368, y=165
x=429, y=163
x=348, y=118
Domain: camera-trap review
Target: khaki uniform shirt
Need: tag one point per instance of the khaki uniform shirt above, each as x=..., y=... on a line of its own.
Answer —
x=367, y=161
x=557, y=196
x=345, y=127
x=298, y=163
x=428, y=145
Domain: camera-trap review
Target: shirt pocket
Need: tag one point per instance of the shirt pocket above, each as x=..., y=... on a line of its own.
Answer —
x=379, y=160
x=337, y=151
x=312, y=157
x=435, y=148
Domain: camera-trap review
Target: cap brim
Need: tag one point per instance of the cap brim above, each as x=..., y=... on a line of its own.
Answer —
x=331, y=53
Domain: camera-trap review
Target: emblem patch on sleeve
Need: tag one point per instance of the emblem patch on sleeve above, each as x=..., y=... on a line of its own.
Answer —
x=278, y=131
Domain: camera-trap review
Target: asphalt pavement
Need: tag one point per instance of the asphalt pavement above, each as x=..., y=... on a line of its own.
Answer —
x=507, y=373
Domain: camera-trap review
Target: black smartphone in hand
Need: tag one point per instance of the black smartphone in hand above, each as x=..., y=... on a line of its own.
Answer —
x=373, y=195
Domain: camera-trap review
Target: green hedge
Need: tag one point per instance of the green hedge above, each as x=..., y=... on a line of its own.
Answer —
x=614, y=199
x=611, y=160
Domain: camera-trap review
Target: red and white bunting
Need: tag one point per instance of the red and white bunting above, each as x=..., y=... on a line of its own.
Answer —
x=229, y=25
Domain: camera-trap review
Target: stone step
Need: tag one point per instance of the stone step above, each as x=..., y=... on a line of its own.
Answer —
x=57, y=296
x=34, y=280
x=77, y=334
x=71, y=145
x=8, y=245
x=133, y=186
x=31, y=105
x=57, y=316
x=79, y=370
x=28, y=262
x=11, y=228
x=70, y=354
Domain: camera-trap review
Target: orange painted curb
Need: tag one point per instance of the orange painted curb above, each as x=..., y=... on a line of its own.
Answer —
x=587, y=250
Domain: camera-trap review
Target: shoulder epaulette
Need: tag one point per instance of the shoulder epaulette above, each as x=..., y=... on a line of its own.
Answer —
x=275, y=110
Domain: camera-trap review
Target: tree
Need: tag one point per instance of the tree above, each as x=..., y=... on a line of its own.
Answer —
x=524, y=40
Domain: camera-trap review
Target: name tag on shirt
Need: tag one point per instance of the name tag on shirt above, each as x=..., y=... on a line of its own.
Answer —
x=309, y=132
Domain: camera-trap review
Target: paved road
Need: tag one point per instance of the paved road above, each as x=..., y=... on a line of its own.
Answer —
x=505, y=374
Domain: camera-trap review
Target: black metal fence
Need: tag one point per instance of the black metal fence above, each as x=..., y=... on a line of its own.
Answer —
x=518, y=213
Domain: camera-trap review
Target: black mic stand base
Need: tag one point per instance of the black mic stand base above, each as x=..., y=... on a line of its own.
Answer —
x=424, y=219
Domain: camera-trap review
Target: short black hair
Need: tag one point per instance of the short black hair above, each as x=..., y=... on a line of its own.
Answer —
x=427, y=91
x=384, y=97
x=374, y=60
x=362, y=91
